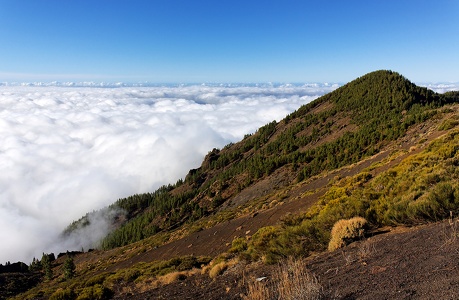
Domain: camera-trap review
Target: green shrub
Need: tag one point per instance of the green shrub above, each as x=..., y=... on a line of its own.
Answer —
x=435, y=205
x=188, y=263
x=124, y=275
x=238, y=245
x=263, y=243
x=448, y=124
x=96, y=292
x=97, y=279
x=63, y=294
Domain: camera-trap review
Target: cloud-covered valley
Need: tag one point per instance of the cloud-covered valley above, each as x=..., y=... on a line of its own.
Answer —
x=66, y=151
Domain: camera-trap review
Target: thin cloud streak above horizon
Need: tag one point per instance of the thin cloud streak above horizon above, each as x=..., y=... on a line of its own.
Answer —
x=66, y=151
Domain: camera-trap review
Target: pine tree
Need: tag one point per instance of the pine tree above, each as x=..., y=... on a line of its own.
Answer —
x=69, y=268
x=46, y=265
x=35, y=265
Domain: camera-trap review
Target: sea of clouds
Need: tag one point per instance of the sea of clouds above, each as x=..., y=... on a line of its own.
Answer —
x=66, y=151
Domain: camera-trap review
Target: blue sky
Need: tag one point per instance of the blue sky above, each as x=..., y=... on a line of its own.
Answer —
x=227, y=41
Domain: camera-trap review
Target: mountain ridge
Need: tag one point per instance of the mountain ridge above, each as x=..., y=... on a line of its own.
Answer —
x=278, y=144
x=278, y=192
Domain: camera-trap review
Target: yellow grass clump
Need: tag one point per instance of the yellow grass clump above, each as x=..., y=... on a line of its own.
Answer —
x=218, y=269
x=172, y=277
x=345, y=231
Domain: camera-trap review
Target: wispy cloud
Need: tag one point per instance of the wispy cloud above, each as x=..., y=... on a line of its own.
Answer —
x=67, y=151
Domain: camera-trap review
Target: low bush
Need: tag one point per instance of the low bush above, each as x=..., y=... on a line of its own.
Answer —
x=98, y=279
x=448, y=124
x=123, y=275
x=96, y=292
x=63, y=294
x=346, y=231
x=436, y=204
x=238, y=245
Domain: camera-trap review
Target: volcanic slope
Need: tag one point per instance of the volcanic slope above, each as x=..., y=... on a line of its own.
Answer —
x=278, y=192
x=354, y=122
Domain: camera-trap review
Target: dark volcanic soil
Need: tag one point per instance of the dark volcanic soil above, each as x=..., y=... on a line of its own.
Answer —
x=406, y=263
x=410, y=263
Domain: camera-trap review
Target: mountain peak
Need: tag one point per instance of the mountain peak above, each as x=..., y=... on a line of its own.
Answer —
x=384, y=89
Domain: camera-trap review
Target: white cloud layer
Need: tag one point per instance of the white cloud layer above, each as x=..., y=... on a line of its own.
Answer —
x=442, y=87
x=66, y=151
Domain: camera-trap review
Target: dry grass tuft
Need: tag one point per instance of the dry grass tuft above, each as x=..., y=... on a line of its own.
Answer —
x=155, y=282
x=366, y=250
x=291, y=280
x=345, y=231
x=218, y=269
x=217, y=266
x=206, y=269
x=294, y=281
x=172, y=277
x=450, y=231
x=258, y=291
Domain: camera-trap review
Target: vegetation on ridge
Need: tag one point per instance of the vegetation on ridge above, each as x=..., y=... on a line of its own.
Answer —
x=424, y=187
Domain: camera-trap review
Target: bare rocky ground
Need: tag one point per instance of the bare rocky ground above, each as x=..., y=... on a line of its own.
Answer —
x=409, y=263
